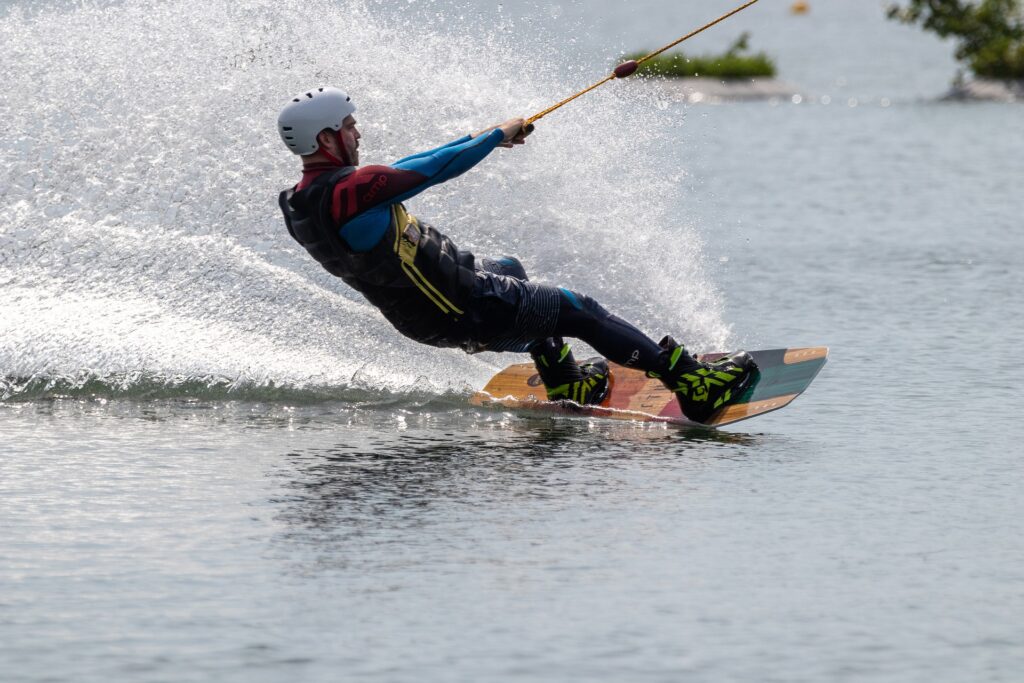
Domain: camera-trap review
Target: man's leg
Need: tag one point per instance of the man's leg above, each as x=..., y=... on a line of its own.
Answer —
x=702, y=389
x=581, y=317
x=530, y=315
x=517, y=315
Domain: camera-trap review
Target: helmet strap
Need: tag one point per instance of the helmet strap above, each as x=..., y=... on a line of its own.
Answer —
x=344, y=161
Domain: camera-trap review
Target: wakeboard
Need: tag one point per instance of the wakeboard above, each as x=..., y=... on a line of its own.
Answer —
x=783, y=374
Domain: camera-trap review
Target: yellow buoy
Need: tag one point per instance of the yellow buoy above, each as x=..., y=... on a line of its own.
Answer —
x=800, y=7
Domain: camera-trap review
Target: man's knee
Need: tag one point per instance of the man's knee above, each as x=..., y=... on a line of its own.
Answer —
x=513, y=267
x=579, y=315
x=582, y=304
x=506, y=265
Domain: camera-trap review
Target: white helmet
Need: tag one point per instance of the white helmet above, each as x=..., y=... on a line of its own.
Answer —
x=307, y=114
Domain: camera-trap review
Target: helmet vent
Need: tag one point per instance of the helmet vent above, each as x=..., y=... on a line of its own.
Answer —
x=348, y=99
x=286, y=127
x=320, y=90
x=309, y=95
x=288, y=137
x=295, y=100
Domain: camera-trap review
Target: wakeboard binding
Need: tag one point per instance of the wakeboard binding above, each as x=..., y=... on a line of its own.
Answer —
x=704, y=388
x=564, y=378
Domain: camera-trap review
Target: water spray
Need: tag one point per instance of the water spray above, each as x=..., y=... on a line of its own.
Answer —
x=629, y=68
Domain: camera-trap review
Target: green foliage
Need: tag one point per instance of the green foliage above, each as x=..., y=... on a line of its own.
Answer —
x=730, y=65
x=989, y=33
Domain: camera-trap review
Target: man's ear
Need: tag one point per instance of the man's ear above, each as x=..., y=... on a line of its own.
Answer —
x=325, y=138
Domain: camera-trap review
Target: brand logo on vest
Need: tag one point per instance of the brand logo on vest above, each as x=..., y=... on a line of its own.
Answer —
x=378, y=185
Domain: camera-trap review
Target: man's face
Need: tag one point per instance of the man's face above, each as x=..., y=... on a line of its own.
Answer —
x=350, y=138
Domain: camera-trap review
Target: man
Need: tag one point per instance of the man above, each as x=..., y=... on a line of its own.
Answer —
x=353, y=222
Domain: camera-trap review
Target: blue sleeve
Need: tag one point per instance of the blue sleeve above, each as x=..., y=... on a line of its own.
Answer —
x=464, y=138
x=365, y=216
x=365, y=231
x=445, y=163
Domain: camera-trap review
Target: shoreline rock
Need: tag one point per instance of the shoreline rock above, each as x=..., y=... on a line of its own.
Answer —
x=714, y=90
x=986, y=90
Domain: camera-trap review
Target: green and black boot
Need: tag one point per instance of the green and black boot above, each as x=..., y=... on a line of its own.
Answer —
x=564, y=378
x=703, y=389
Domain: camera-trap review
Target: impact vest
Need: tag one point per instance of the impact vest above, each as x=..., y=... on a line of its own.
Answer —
x=416, y=276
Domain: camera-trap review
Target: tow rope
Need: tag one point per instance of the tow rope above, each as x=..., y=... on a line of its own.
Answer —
x=629, y=68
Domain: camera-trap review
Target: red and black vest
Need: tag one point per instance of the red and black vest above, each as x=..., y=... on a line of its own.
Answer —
x=416, y=276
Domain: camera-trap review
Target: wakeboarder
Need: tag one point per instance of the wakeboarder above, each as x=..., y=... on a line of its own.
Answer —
x=353, y=221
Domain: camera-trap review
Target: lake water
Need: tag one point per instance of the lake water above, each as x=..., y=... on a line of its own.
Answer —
x=218, y=464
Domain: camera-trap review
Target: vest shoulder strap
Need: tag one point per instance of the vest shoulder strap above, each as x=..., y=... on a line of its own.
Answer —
x=320, y=180
x=338, y=175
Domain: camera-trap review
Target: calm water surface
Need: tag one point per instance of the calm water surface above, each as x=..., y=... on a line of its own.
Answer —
x=870, y=532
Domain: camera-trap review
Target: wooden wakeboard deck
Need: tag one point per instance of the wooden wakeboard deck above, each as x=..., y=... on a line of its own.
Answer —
x=783, y=375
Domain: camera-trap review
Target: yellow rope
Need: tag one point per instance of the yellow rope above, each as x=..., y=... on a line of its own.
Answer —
x=691, y=35
x=612, y=76
x=581, y=93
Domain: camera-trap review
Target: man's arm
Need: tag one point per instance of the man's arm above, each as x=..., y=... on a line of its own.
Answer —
x=461, y=140
x=448, y=162
x=360, y=201
x=373, y=186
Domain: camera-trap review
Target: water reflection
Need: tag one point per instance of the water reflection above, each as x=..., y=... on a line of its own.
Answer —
x=422, y=480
